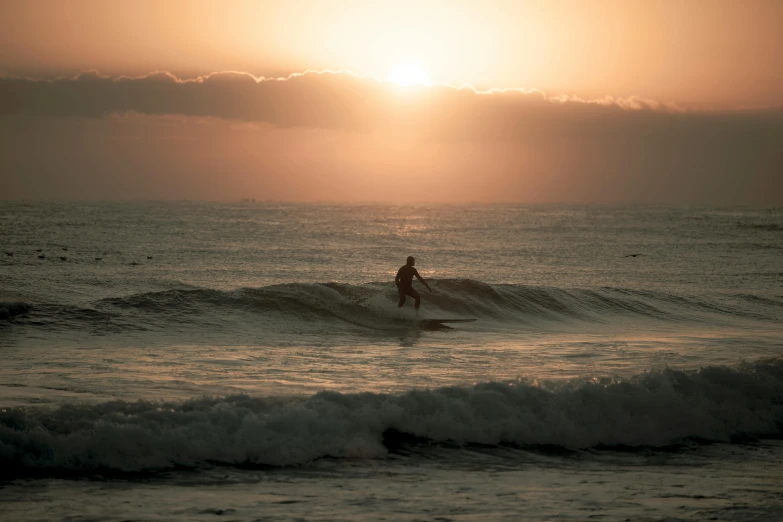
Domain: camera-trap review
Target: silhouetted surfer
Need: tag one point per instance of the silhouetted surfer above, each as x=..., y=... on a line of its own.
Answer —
x=404, y=281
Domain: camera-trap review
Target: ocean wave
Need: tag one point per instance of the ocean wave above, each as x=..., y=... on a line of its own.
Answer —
x=366, y=304
x=769, y=227
x=653, y=409
x=373, y=306
x=13, y=308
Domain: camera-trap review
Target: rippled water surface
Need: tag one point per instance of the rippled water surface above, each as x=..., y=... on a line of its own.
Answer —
x=249, y=360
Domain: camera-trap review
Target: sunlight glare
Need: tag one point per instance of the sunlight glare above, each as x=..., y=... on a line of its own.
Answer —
x=408, y=75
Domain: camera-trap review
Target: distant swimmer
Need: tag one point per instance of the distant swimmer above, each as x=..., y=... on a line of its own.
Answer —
x=634, y=255
x=404, y=282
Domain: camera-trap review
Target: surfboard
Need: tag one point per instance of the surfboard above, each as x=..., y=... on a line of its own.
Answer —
x=448, y=320
x=440, y=323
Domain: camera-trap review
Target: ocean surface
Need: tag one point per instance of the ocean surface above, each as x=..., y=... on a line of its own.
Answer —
x=247, y=361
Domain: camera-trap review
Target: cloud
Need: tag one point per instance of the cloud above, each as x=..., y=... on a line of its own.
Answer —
x=320, y=135
x=336, y=100
x=327, y=100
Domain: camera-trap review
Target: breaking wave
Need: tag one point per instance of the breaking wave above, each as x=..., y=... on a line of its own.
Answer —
x=653, y=409
x=373, y=306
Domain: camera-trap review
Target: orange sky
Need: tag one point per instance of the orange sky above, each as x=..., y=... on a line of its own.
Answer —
x=717, y=53
x=616, y=101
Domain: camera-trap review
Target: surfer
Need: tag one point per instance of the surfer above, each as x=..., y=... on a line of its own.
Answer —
x=404, y=282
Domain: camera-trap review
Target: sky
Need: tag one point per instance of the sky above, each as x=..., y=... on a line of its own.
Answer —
x=338, y=100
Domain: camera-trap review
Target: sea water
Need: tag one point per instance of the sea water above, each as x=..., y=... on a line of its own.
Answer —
x=247, y=361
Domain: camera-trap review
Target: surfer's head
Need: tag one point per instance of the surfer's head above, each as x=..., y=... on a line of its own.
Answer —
x=411, y=261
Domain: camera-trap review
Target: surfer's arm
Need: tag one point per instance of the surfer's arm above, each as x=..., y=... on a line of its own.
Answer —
x=422, y=281
x=397, y=278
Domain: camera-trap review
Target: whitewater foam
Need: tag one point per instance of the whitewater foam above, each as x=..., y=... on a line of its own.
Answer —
x=655, y=408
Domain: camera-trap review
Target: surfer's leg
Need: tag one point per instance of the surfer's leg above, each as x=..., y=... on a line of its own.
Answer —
x=402, y=298
x=414, y=294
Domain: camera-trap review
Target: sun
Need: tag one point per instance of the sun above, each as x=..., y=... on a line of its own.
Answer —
x=408, y=75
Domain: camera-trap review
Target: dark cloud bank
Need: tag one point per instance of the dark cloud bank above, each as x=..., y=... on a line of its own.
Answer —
x=528, y=146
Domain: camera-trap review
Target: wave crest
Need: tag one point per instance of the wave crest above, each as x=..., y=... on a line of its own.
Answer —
x=334, y=306
x=657, y=408
x=373, y=304
x=14, y=308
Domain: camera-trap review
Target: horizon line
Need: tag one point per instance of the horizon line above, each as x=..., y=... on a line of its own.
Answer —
x=395, y=203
